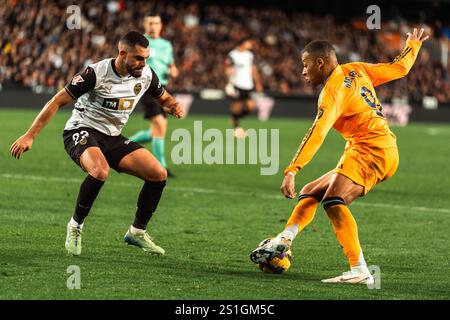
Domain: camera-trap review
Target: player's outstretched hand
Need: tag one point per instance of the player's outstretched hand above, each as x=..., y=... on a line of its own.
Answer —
x=417, y=36
x=21, y=145
x=176, y=110
x=288, y=186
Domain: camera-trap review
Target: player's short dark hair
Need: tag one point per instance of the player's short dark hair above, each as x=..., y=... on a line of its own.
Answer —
x=133, y=38
x=321, y=48
x=247, y=38
x=153, y=14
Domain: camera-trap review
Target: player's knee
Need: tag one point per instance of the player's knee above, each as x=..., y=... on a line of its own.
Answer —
x=251, y=105
x=160, y=174
x=235, y=107
x=100, y=172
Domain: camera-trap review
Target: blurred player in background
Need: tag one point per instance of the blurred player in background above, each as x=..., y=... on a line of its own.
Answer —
x=106, y=93
x=162, y=62
x=243, y=78
x=348, y=103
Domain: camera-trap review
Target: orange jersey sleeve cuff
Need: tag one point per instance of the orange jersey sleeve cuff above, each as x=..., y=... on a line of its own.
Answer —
x=292, y=169
x=414, y=43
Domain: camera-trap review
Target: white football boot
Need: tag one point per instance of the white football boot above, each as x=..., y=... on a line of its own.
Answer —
x=73, y=239
x=270, y=248
x=357, y=275
x=239, y=133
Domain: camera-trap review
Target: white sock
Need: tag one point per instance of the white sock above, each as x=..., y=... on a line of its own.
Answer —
x=136, y=231
x=75, y=224
x=287, y=234
x=360, y=269
x=362, y=265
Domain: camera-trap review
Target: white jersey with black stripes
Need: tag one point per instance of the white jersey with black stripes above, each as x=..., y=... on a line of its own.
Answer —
x=242, y=76
x=105, y=99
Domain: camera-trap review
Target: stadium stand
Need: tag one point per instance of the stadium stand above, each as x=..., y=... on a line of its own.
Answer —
x=40, y=53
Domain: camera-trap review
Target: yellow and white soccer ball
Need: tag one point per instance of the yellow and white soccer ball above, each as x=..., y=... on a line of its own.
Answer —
x=278, y=264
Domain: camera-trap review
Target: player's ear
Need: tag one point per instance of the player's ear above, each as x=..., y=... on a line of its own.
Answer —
x=122, y=50
x=320, y=63
x=122, y=53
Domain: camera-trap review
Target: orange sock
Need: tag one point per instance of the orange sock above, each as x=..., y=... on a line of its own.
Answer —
x=303, y=214
x=345, y=229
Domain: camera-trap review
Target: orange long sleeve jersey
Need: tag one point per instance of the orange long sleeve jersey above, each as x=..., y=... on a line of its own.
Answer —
x=349, y=104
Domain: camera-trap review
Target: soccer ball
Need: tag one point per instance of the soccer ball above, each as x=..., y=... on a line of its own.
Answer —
x=278, y=264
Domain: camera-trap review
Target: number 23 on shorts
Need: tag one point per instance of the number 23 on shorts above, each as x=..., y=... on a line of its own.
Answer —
x=80, y=137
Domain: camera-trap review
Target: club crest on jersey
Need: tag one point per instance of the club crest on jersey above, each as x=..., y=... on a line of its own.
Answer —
x=77, y=79
x=137, y=88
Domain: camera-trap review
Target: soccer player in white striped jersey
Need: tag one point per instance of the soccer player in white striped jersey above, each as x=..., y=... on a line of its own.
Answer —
x=243, y=78
x=106, y=93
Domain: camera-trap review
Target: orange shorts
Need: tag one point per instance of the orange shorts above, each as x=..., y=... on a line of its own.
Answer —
x=367, y=166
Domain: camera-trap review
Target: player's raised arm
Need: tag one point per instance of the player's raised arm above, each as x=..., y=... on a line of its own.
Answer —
x=384, y=72
x=80, y=84
x=24, y=143
x=170, y=105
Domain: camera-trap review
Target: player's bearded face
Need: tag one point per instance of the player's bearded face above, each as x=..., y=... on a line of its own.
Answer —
x=134, y=69
x=135, y=62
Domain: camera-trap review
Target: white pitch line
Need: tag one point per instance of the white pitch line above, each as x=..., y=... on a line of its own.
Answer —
x=438, y=131
x=133, y=185
x=214, y=191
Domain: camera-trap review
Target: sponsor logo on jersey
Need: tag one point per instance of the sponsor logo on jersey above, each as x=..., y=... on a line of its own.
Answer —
x=118, y=104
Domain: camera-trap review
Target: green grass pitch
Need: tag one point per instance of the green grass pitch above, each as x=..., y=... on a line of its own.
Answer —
x=211, y=217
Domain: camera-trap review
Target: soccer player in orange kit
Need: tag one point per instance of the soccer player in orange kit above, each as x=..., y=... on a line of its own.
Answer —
x=349, y=104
